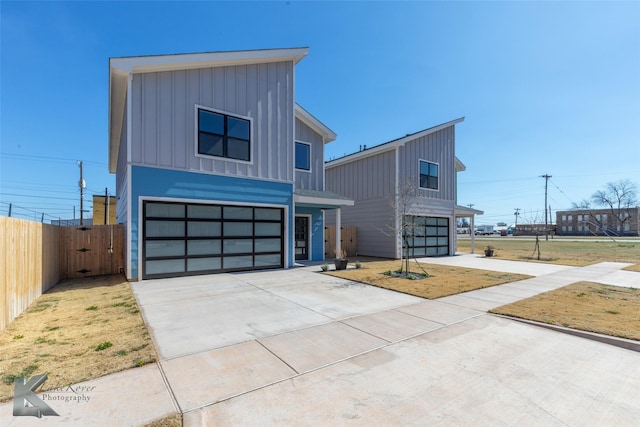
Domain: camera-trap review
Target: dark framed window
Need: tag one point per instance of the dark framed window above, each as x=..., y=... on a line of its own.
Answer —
x=428, y=175
x=303, y=156
x=222, y=135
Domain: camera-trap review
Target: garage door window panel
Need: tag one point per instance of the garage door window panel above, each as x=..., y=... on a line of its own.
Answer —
x=268, y=229
x=203, y=229
x=164, y=266
x=237, y=212
x=237, y=262
x=204, y=212
x=268, y=245
x=165, y=228
x=204, y=264
x=165, y=248
x=237, y=246
x=204, y=247
x=238, y=229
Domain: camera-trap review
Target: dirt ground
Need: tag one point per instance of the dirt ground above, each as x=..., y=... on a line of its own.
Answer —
x=79, y=330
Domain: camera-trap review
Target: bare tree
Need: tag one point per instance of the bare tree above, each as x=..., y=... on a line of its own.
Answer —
x=619, y=197
x=398, y=226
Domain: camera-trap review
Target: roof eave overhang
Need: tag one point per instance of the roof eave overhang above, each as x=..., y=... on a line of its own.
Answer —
x=390, y=145
x=460, y=167
x=308, y=119
x=118, y=81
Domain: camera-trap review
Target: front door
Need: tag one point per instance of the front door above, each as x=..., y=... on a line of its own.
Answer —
x=302, y=238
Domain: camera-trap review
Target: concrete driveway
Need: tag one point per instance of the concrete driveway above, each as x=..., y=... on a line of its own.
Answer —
x=295, y=347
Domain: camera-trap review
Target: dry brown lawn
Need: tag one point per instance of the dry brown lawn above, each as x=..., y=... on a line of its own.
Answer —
x=587, y=306
x=79, y=330
x=559, y=250
x=443, y=280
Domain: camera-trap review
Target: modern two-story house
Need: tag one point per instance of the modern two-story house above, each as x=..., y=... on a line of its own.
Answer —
x=217, y=168
x=403, y=188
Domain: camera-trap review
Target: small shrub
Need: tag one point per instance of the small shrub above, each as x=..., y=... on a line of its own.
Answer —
x=18, y=337
x=139, y=362
x=92, y=308
x=324, y=267
x=581, y=294
x=103, y=346
x=358, y=265
x=612, y=312
x=121, y=352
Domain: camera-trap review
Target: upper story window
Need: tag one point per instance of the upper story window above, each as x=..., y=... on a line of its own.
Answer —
x=428, y=175
x=222, y=135
x=303, y=156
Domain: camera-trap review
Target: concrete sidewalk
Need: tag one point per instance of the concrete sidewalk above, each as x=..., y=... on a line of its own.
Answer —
x=296, y=347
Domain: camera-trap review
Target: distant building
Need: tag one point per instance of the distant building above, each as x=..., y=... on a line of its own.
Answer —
x=100, y=204
x=533, y=229
x=598, y=222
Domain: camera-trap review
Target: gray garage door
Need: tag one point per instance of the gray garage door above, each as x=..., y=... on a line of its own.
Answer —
x=181, y=239
x=427, y=236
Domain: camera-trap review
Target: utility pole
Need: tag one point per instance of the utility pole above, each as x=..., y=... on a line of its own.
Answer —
x=471, y=205
x=81, y=184
x=10, y=206
x=546, y=184
x=106, y=204
x=517, y=214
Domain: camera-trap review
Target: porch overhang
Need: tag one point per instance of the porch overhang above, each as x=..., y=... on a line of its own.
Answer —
x=463, y=211
x=320, y=199
x=466, y=212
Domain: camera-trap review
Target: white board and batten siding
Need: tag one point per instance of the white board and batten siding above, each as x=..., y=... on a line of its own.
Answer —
x=313, y=179
x=370, y=182
x=164, y=120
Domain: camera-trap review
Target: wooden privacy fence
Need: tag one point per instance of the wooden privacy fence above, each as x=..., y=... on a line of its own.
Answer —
x=348, y=241
x=34, y=257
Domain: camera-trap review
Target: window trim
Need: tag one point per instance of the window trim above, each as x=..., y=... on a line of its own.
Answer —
x=420, y=174
x=294, y=156
x=196, y=120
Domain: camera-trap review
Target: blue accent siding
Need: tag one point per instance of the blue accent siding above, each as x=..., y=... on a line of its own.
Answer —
x=153, y=182
x=317, y=231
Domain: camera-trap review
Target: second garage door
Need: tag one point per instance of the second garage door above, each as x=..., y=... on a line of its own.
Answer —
x=181, y=239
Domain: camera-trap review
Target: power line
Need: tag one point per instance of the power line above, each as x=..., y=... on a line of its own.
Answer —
x=48, y=158
x=38, y=197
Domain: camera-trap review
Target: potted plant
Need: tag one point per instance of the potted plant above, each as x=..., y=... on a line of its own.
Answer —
x=341, y=260
x=488, y=251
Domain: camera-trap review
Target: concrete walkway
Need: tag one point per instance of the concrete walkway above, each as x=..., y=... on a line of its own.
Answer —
x=295, y=347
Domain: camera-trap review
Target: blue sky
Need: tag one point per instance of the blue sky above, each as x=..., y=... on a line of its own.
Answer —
x=545, y=87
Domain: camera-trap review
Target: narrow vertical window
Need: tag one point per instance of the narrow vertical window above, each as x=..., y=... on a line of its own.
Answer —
x=303, y=156
x=428, y=175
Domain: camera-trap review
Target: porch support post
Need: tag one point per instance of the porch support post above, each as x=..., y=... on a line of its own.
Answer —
x=338, y=247
x=473, y=235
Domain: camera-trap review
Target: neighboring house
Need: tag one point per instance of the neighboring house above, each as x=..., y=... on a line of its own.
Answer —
x=414, y=176
x=599, y=222
x=217, y=168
